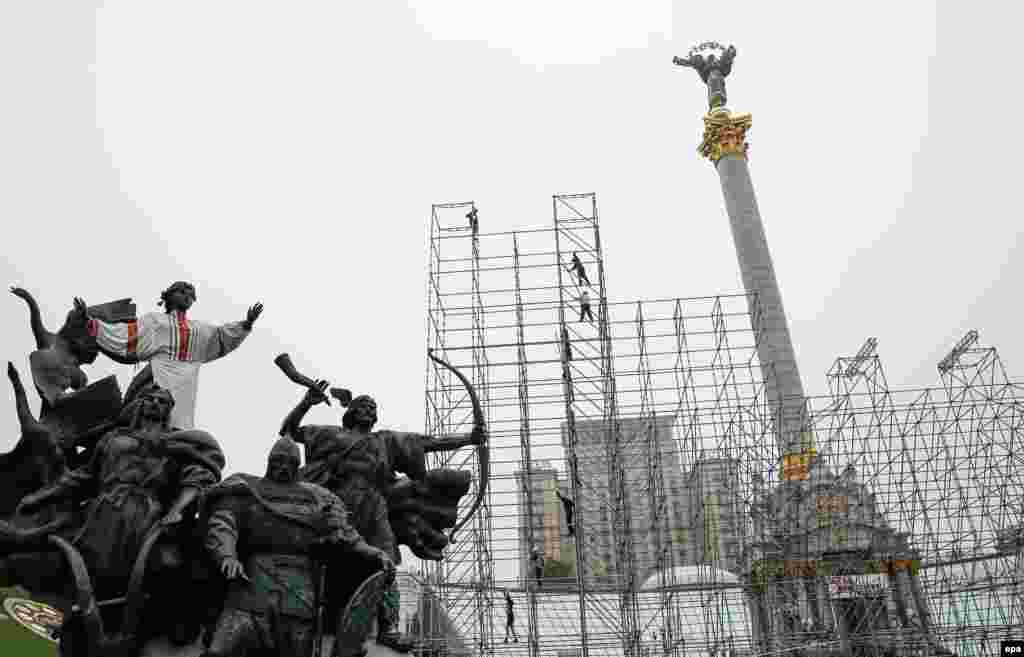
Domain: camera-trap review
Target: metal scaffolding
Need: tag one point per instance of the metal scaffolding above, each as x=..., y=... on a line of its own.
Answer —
x=456, y=321
x=899, y=528
x=524, y=443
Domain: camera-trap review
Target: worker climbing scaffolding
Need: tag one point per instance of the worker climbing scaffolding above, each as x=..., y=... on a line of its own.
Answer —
x=585, y=311
x=569, y=507
x=566, y=345
x=510, y=618
x=576, y=267
x=537, y=561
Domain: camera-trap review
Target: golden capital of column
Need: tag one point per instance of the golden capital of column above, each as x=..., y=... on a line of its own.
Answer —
x=725, y=133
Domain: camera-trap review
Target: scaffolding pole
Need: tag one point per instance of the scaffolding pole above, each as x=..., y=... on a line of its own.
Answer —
x=524, y=442
x=483, y=538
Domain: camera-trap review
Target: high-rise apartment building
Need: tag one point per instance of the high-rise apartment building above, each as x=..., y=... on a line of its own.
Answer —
x=677, y=517
x=650, y=462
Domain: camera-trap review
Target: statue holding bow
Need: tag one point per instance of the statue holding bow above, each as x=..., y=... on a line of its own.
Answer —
x=360, y=465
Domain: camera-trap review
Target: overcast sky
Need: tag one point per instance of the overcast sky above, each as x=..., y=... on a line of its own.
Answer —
x=289, y=153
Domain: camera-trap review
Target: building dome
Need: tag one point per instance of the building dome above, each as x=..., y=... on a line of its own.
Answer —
x=689, y=575
x=708, y=601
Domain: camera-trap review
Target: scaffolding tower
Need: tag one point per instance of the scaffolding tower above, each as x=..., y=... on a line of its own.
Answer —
x=690, y=534
x=456, y=329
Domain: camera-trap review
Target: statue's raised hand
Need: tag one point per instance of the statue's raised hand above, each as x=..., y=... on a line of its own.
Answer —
x=232, y=568
x=81, y=307
x=317, y=395
x=254, y=313
x=171, y=519
x=20, y=292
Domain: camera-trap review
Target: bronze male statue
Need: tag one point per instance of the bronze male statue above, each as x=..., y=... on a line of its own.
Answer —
x=275, y=525
x=360, y=465
x=140, y=476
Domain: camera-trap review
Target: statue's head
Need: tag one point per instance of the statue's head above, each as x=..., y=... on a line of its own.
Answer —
x=179, y=296
x=361, y=413
x=283, y=461
x=152, y=403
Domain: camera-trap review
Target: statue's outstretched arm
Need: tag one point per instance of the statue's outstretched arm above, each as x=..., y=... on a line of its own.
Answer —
x=451, y=443
x=44, y=338
x=290, y=427
x=78, y=483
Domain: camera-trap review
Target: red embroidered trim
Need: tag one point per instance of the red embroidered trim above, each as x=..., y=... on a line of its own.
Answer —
x=133, y=338
x=183, y=335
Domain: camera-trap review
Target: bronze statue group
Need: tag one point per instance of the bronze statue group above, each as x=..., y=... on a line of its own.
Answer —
x=113, y=508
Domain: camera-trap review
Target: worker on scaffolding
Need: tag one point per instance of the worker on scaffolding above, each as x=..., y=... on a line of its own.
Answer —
x=585, y=307
x=576, y=267
x=569, y=507
x=510, y=619
x=474, y=223
x=566, y=347
x=537, y=560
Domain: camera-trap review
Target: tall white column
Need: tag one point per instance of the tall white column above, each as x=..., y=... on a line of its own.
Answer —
x=725, y=145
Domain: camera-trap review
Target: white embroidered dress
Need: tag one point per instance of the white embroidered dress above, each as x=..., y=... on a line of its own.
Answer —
x=175, y=347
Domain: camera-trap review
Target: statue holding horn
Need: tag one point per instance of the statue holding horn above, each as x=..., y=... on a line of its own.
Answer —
x=361, y=466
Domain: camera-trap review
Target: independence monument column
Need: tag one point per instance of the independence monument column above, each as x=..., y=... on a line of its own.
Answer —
x=725, y=145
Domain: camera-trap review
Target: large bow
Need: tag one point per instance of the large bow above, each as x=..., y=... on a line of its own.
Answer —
x=482, y=452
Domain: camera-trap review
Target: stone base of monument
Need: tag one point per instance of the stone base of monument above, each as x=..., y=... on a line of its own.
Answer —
x=164, y=648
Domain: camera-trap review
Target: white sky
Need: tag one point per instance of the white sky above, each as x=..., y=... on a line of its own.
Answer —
x=289, y=153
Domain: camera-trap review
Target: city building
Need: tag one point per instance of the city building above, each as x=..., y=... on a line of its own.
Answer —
x=715, y=513
x=549, y=530
x=701, y=512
